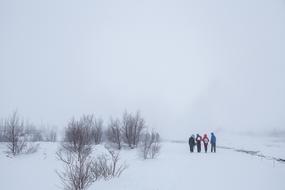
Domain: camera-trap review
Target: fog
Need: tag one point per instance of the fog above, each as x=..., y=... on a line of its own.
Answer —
x=188, y=66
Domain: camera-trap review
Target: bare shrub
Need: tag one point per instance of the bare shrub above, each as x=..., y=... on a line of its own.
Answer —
x=80, y=170
x=114, y=133
x=117, y=169
x=95, y=127
x=150, y=145
x=77, y=173
x=132, y=126
x=107, y=166
x=101, y=168
x=75, y=154
x=14, y=134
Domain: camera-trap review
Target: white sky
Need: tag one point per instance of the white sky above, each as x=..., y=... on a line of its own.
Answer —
x=189, y=66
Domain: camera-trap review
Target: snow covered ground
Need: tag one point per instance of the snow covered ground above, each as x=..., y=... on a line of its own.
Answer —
x=266, y=145
x=175, y=168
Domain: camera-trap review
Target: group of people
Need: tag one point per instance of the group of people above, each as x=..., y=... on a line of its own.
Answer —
x=198, y=142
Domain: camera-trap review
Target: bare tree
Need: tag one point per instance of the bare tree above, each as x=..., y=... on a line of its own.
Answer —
x=132, y=126
x=77, y=136
x=95, y=126
x=14, y=134
x=114, y=133
x=150, y=145
x=97, y=130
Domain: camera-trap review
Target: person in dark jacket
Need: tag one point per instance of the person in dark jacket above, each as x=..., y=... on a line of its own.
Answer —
x=192, y=143
x=205, y=140
x=198, y=141
x=213, y=142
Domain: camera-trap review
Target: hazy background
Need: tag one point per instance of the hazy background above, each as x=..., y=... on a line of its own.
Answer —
x=187, y=65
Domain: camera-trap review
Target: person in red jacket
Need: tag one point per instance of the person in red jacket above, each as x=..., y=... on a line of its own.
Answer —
x=205, y=140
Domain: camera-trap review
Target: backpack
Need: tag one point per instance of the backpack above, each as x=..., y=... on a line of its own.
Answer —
x=198, y=138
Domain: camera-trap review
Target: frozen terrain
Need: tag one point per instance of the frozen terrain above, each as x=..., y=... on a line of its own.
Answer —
x=175, y=168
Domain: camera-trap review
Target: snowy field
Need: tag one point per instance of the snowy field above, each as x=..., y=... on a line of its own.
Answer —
x=175, y=168
x=266, y=145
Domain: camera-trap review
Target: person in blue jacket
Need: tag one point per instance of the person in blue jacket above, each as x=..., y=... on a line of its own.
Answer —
x=213, y=142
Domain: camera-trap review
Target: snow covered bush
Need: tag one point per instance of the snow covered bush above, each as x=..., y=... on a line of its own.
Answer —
x=150, y=145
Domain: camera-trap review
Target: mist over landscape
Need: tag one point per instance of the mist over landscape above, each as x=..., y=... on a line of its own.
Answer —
x=188, y=66
x=142, y=94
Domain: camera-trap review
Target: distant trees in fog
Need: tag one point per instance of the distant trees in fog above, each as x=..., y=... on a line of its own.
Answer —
x=150, y=144
x=86, y=130
x=35, y=134
x=128, y=131
x=19, y=135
